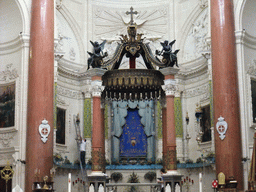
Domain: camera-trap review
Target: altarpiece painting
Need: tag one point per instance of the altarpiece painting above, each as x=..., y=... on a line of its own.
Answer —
x=7, y=105
x=61, y=119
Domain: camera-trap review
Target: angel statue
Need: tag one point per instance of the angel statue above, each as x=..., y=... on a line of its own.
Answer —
x=169, y=57
x=96, y=58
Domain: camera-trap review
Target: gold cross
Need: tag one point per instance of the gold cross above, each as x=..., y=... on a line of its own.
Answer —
x=131, y=13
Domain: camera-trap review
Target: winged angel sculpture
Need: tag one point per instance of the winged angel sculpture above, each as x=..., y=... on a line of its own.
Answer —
x=169, y=57
x=96, y=58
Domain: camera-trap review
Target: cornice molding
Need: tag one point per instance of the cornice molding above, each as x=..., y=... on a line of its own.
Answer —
x=242, y=37
x=193, y=68
x=22, y=40
x=71, y=74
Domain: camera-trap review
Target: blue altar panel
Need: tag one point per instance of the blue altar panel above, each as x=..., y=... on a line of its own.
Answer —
x=133, y=141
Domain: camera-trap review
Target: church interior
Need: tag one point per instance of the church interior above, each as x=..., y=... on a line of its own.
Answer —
x=150, y=85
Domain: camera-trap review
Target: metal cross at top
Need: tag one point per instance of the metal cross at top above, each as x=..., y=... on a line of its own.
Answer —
x=131, y=13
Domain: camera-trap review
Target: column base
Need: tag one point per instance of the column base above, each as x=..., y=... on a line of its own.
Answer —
x=172, y=172
x=97, y=173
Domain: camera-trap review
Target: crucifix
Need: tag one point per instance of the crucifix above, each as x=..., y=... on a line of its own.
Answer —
x=132, y=35
x=131, y=13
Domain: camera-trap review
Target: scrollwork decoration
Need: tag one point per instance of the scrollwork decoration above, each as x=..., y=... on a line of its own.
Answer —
x=9, y=73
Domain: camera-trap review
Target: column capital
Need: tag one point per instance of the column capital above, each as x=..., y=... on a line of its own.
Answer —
x=96, y=84
x=96, y=73
x=170, y=87
x=97, y=88
x=206, y=54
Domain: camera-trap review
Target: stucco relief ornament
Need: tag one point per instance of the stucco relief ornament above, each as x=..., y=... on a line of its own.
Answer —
x=222, y=127
x=44, y=130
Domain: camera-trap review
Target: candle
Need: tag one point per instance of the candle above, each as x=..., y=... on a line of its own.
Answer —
x=200, y=182
x=69, y=182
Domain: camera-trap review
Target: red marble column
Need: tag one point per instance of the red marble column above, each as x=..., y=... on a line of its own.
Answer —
x=103, y=140
x=98, y=133
x=169, y=133
x=164, y=128
x=225, y=90
x=40, y=90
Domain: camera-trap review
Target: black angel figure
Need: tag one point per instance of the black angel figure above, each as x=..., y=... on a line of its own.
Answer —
x=169, y=57
x=96, y=58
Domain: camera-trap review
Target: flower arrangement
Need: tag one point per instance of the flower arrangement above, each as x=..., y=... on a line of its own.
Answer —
x=77, y=162
x=150, y=176
x=89, y=161
x=116, y=176
x=189, y=161
x=66, y=161
x=159, y=161
x=210, y=155
x=134, y=178
x=57, y=157
x=107, y=162
x=199, y=160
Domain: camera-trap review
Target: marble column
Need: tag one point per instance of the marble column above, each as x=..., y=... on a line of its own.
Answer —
x=225, y=91
x=98, y=132
x=168, y=118
x=39, y=147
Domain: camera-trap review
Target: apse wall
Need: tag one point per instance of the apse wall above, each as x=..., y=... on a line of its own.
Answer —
x=246, y=65
x=14, y=53
x=10, y=71
x=185, y=21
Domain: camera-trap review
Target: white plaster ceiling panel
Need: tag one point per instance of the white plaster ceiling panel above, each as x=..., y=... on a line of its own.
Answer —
x=249, y=17
x=76, y=9
x=120, y=3
x=67, y=43
x=10, y=20
x=109, y=23
x=195, y=42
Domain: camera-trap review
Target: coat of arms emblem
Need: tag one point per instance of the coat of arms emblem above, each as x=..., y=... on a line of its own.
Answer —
x=44, y=130
x=221, y=127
